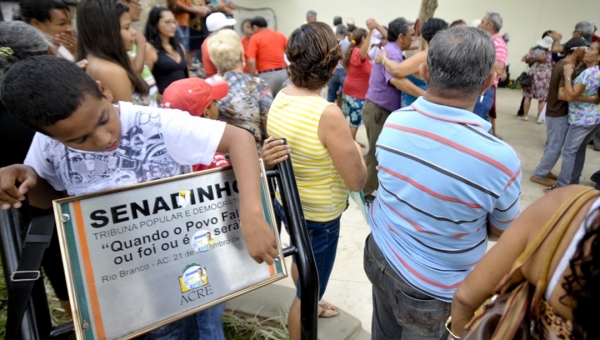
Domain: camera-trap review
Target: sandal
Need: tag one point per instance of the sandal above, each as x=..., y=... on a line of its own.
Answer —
x=328, y=310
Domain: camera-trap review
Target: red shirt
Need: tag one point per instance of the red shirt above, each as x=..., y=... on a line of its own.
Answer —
x=209, y=68
x=267, y=47
x=218, y=161
x=245, y=42
x=357, y=76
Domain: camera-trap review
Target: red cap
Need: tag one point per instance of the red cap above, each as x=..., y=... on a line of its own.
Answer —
x=194, y=95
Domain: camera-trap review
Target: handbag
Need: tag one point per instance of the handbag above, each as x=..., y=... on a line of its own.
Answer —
x=525, y=79
x=507, y=314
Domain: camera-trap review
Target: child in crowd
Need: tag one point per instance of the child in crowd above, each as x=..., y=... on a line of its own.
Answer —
x=85, y=144
x=198, y=97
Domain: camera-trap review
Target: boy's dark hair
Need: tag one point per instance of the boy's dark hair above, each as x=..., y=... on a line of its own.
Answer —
x=39, y=9
x=151, y=31
x=259, y=21
x=313, y=52
x=398, y=26
x=99, y=34
x=42, y=90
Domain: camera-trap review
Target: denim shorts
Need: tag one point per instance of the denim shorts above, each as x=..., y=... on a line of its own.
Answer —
x=484, y=103
x=400, y=311
x=324, y=238
x=183, y=36
x=351, y=107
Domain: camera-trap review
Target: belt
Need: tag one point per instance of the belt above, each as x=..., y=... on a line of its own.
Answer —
x=273, y=70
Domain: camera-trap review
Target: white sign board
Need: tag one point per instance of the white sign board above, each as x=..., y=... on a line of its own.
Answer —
x=143, y=256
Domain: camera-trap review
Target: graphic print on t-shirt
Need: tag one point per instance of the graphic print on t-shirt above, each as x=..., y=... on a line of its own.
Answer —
x=141, y=156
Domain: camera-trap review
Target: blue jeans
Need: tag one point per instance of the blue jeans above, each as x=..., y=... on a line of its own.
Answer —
x=209, y=323
x=324, y=238
x=484, y=103
x=573, y=153
x=183, y=36
x=399, y=311
x=557, y=131
x=335, y=84
x=204, y=325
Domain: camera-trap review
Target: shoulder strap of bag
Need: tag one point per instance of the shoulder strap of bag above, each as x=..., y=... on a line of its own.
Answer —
x=541, y=236
x=28, y=272
x=565, y=223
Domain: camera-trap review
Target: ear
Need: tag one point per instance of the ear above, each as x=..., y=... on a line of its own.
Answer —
x=424, y=72
x=105, y=90
x=489, y=82
x=35, y=23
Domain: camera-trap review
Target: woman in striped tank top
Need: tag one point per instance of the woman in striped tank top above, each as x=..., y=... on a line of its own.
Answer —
x=327, y=162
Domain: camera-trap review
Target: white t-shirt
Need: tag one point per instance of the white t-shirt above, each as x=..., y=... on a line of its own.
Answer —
x=156, y=143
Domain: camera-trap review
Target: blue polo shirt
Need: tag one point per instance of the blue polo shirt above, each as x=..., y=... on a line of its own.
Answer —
x=442, y=177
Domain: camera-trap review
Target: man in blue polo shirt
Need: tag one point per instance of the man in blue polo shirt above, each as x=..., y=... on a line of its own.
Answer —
x=446, y=186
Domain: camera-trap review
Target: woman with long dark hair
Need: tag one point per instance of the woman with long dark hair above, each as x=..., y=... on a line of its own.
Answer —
x=104, y=37
x=358, y=70
x=571, y=296
x=164, y=55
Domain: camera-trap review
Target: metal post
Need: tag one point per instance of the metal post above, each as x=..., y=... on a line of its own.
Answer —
x=305, y=261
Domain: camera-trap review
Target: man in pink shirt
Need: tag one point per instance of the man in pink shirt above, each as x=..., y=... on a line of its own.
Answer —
x=492, y=23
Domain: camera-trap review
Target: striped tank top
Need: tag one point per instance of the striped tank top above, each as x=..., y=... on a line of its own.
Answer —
x=323, y=193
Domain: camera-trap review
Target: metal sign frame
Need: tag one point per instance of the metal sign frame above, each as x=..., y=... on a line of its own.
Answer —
x=78, y=286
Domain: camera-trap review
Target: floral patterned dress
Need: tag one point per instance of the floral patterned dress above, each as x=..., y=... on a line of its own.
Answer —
x=586, y=114
x=541, y=73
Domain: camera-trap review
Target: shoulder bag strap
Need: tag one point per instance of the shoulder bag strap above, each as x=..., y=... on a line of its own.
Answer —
x=541, y=236
x=28, y=272
x=565, y=223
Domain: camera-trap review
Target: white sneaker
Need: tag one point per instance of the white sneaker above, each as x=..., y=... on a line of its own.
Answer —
x=524, y=118
x=540, y=121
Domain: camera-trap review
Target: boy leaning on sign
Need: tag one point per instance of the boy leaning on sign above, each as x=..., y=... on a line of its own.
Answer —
x=85, y=144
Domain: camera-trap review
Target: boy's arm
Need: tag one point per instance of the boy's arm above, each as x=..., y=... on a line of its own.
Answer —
x=242, y=151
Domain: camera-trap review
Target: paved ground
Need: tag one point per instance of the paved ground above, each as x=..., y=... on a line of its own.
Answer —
x=349, y=287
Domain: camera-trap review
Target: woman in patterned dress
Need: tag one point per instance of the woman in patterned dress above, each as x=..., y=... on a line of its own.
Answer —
x=584, y=117
x=541, y=58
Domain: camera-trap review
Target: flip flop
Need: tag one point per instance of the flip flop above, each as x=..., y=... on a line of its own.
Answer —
x=328, y=310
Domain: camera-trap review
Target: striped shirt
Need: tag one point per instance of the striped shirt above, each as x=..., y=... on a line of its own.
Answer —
x=501, y=52
x=323, y=193
x=442, y=177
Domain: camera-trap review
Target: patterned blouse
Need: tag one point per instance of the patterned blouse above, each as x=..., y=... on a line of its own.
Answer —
x=585, y=114
x=247, y=104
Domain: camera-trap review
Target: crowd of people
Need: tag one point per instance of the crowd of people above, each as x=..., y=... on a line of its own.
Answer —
x=566, y=83
x=69, y=92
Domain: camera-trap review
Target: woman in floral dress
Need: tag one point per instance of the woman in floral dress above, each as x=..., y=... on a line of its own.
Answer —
x=541, y=58
x=584, y=115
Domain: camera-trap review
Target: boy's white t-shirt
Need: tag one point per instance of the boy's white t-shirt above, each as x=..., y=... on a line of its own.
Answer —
x=156, y=143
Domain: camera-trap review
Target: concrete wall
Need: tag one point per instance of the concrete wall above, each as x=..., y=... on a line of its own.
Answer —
x=524, y=20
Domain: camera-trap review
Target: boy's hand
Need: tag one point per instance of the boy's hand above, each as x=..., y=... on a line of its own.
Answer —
x=274, y=152
x=10, y=195
x=260, y=239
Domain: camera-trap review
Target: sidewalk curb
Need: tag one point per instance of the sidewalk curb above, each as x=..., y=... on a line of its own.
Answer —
x=273, y=301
